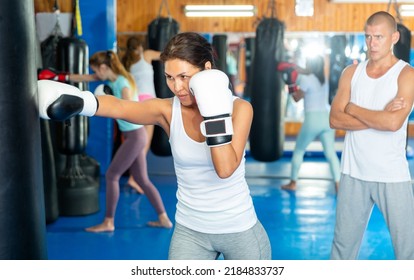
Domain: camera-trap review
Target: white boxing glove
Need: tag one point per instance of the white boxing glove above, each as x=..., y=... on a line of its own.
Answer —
x=103, y=89
x=59, y=101
x=215, y=102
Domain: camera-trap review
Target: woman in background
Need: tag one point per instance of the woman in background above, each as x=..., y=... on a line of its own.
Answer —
x=138, y=61
x=131, y=154
x=313, y=88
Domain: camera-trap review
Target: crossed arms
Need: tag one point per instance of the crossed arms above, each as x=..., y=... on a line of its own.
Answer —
x=346, y=115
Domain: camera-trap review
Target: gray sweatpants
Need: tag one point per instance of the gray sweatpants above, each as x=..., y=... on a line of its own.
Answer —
x=252, y=244
x=355, y=202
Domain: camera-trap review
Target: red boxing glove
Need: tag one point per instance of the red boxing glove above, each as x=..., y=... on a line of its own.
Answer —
x=289, y=75
x=50, y=74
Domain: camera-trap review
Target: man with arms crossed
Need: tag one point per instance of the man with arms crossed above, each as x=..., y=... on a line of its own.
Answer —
x=373, y=102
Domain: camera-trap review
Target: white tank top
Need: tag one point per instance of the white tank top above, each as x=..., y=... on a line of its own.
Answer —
x=207, y=203
x=369, y=154
x=143, y=73
x=315, y=94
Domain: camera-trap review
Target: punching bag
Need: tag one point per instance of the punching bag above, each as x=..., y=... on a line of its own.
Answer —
x=402, y=48
x=49, y=174
x=337, y=63
x=78, y=192
x=160, y=31
x=48, y=160
x=267, y=131
x=48, y=47
x=219, y=44
x=22, y=211
x=250, y=44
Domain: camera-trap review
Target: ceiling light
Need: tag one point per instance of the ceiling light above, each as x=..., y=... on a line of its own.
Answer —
x=220, y=10
x=407, y=10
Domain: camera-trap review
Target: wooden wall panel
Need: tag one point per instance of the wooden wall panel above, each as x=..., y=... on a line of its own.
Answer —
x=46, y=6
x=135, y=15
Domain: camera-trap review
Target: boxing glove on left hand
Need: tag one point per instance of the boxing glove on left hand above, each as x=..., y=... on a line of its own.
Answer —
x=215, y=102
x=59, y=101
x=289, y=75
x=51, y=74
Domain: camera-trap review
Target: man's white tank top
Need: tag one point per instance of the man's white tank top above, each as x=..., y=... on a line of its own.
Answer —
x=207, y=203
x=369, y=154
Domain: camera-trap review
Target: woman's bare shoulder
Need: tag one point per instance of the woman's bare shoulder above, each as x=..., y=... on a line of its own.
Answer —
x=242, y=105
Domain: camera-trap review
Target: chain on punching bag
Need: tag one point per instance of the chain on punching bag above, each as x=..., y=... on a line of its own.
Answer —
x=267, y=132
x=160, y=32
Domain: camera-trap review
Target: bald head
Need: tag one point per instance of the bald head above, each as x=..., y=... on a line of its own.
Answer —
x=380, y=18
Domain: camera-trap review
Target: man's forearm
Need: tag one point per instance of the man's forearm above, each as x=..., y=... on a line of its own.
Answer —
x=380, y=120
x=341, y=120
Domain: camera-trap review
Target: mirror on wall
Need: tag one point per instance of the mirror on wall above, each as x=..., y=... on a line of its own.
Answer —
x=339, y=50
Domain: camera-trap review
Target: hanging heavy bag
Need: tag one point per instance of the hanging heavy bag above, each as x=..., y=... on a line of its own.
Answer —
x=337, y=63
x=22, y=212
x=267, y=131
x=49, y=45
x=402, y=48
x=160, y=31
x=250, y=44
x=78, y=192
x=220, y=47
x=48, y=48
x=48, y=161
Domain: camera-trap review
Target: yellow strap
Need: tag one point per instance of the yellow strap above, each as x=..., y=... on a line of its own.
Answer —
x=78, y=19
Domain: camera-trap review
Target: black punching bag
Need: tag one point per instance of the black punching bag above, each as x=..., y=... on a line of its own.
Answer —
x=49, y=174
x=160, y=31
x=403, y=47
x=220, y=48
x=250, y=44
x=337, y=63
x=22, y=212
x=267, y=132
x=78, y=191
x=48, y=160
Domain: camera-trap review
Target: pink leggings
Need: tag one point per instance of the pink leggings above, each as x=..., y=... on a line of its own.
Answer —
x=131, y=155
x=145, y=96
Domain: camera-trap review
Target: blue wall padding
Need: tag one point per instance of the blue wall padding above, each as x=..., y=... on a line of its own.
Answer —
x=99, y=31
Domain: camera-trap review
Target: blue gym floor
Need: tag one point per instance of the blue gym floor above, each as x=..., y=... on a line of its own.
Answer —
x=300, y=224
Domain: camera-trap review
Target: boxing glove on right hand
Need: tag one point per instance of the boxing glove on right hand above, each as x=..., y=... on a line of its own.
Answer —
x=59, y=101
x=215, y=102
x=289, y=75
x=50, y=74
